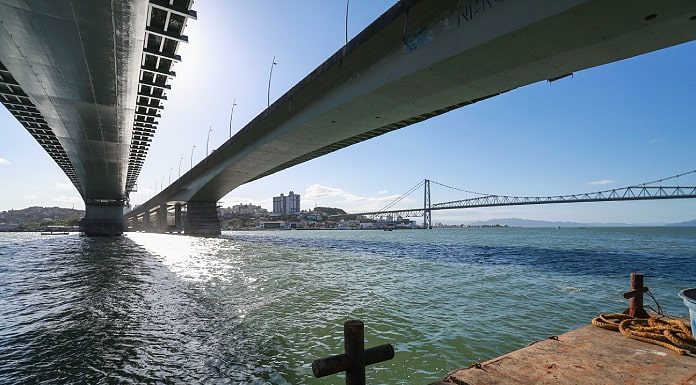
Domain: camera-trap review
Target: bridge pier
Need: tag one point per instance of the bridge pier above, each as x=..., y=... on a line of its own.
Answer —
x=178, y=222
x=146, y=221
x=202, y=219
x=137, y=223
x=162, y=218
x=102, y=220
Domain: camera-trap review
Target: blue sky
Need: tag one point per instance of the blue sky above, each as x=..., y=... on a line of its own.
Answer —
x=606, y=127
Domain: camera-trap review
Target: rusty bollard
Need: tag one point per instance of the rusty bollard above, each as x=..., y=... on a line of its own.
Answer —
x=355, y=358
x=635, y=297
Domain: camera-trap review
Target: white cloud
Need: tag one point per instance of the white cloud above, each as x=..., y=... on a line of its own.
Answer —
x=382, y=192
x=317, y=191
x=334, y=196
x=602, y=182
x=64, y=185
x=29, y=197
x=4, y=162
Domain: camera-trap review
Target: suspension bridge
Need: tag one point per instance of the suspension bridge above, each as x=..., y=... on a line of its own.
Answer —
x=673, y=187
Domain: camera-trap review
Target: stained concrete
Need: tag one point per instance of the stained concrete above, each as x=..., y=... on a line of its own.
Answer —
x=586, y=356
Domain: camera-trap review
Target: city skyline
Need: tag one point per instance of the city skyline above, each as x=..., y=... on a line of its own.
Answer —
x=606, y=127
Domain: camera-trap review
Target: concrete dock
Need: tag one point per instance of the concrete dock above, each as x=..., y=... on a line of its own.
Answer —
x=588, y=355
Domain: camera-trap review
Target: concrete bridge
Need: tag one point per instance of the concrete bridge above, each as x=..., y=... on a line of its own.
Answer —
x=86, y=79
x=418, y=60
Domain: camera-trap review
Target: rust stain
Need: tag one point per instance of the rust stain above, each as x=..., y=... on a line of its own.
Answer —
x=690, y=381
x=585, y=356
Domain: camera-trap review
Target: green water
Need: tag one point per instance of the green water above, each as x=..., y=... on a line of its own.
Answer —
x=258, y=307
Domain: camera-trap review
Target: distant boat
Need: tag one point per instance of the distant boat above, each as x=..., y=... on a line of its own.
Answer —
x=57, y=230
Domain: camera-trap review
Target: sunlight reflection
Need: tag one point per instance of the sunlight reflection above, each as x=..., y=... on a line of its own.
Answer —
x=196, y=259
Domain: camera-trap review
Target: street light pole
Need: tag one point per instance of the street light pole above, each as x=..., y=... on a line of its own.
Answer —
x=347, y=5
x=180, y=159
x=268, y=98
x=170, y=175
x=208, y=140
x=234, y=103
x=194, y=147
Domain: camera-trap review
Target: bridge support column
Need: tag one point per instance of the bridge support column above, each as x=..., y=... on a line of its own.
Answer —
x=178, y=224
x=102, y=220
x=146, y=221
x=162, y=218
x=202, y=219
x=136, y=223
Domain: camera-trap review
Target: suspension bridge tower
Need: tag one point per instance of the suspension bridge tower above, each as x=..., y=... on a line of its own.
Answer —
x=427, y=220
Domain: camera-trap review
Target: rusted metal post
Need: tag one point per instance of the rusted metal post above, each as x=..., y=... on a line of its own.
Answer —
x=635, y=297
x=354, y=344
x=355, y=358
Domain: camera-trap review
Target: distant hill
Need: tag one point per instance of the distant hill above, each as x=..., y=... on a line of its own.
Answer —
x=35, y=216
x=518, y=222
x=691, y=223
x=329, y=211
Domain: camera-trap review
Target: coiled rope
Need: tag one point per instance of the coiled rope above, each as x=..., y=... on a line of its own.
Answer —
x=669, y=333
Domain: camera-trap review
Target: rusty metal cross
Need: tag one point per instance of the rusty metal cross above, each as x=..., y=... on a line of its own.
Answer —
x=635, y=297
x=355, y=358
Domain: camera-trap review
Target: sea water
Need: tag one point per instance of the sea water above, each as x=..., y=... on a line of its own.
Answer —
x=258, y=307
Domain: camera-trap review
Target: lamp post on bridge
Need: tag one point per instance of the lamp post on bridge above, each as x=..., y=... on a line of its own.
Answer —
x=234, y=103
x=268, y=97
x=170, y=175
x=180, y=159
x=347, y=5
x=194, y=147
x=208, y=140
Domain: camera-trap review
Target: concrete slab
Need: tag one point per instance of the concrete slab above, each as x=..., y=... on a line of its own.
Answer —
x=585, y=356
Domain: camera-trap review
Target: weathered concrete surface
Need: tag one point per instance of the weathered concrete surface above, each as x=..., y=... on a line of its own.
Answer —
x=424, y=58
x=86, y=79
x=102, y=220
x=202, y=219
x=586, y=356
x=78, y=62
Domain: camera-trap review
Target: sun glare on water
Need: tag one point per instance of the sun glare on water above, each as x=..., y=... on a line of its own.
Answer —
x=195, y=259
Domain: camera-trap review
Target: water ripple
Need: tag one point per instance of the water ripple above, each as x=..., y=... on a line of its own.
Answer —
x=257, y=307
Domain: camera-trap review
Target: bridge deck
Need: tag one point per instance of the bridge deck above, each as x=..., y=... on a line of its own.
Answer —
x=588, y=355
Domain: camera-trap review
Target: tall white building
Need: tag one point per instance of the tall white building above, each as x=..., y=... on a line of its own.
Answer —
x=286, y=204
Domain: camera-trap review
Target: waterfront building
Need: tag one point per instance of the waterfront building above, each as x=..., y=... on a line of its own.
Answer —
x=286, y=204
x=271, y=225
x=248, y=209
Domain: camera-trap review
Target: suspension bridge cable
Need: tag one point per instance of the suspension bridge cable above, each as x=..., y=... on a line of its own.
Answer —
x=664, y=179
x=508, y=197
x=404, y=195
x=458, y=189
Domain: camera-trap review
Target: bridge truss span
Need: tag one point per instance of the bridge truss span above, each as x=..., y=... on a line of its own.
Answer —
x=653, y=190
x=620, y=194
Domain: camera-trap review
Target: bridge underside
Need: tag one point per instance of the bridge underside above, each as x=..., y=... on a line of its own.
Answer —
x=85, y=78
x=424, y=58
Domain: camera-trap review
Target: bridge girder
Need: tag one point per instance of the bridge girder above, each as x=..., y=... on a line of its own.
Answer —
x=422, y=59
x=74, y=74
